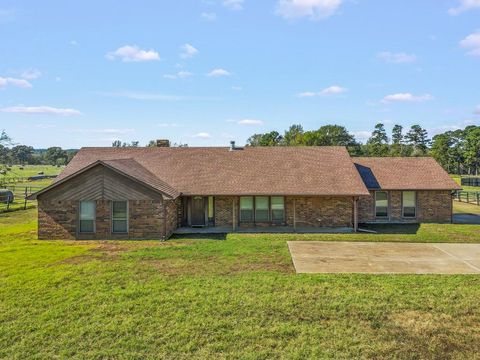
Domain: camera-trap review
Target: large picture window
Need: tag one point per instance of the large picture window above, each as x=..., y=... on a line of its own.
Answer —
x=261, y=208
x=87, y=217
x=278, y=208
x=246, y=208
x=409, y=203
x=381, y=204
x=120, y=216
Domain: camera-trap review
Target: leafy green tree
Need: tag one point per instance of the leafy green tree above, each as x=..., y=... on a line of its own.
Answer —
x=377, y=144
x=272, y=138
x=472, y=149
x=441, y=150
x=293, y=136
x=329, y=135
x=22, y=154
x=56, y=156
x=417, y=138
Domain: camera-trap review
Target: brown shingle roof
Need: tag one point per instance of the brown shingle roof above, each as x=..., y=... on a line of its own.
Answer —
x=252, y=171
x=396, y=173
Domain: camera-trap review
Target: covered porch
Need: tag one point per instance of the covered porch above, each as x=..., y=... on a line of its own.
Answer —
x=262, y=229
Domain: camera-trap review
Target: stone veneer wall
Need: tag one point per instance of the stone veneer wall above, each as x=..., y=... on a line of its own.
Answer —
x=59, y=220
x=432, y=206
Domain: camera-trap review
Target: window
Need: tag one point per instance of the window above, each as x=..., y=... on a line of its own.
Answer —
x=246, y=208
x=211, y=210
x=381, y=204
x=261, y=208
x=87, y=217
x=119, y=217
x=409, y=201
x=278, y=208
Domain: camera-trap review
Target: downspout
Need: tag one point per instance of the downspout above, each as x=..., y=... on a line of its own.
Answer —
x=294, y=216
x=164, y=219
x=355, y=214
x=234, y=200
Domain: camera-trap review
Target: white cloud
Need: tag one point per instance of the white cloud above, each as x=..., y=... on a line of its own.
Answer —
x=472, y=43
x=331, y=90
x=188, y=51
x=208, y=16
x=41, y=110
x=406, y=97
x=132, y=53
x=31, y=74
x=233, y=4
x=307, y=94
x=464, y=5
x=179, y=75
x=335, y=89
x=21, y=83
x=218, y=72
x=361, y=135
x=202, y=135
x=249, y=122
x=397, y=58
x=314, y=9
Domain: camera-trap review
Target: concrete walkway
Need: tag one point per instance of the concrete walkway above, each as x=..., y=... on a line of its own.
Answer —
x=384, y=258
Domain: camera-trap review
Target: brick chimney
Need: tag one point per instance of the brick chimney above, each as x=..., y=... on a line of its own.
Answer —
x=163, y=143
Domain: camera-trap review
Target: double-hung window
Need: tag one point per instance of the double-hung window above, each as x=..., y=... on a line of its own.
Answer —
x=409, y=204
x=278, y=208
x=381, y=204
x=87, y=217
x=261, y=208
x=246, y=208
x=120, y=217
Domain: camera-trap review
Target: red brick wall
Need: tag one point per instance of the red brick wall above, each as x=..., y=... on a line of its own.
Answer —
x=432, y=206
x=59, y=220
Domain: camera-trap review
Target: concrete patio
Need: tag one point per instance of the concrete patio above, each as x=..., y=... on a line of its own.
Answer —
x=384, y=258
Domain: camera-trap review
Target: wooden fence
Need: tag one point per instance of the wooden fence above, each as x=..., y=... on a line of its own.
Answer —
x=20, y=201
x=471, y=197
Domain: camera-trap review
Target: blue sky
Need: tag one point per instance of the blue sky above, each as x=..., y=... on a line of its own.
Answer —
x=83, y=73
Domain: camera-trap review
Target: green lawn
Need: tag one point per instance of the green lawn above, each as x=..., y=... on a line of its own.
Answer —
x=224, y=297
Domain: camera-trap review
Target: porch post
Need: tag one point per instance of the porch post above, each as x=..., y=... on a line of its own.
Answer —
x=355, y=214
x=234, y=200
x=294, y=216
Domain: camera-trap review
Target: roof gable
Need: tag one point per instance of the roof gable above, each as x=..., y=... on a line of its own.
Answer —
x=403, y=173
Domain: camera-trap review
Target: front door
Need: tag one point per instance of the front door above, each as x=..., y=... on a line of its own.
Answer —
x=198, y=211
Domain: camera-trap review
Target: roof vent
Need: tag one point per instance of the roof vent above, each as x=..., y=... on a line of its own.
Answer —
x=234, y=147
x=163, y=143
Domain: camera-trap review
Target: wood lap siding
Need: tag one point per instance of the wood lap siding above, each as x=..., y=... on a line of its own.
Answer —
x=100, y=183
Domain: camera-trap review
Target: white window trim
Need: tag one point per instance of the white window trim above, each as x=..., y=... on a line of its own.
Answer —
x=94, y=217
x=127, y=219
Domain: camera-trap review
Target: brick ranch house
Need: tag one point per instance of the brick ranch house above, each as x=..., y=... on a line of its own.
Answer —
x=141, y=193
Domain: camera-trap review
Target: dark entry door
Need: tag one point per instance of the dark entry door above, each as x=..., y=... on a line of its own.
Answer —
x=198, y=211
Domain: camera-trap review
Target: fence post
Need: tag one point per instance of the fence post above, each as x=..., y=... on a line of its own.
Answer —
x=25, y=203
x=478, y=198
x=467, y=197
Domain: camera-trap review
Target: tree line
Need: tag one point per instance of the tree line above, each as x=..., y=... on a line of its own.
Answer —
x=11, y=153
x=457, y=151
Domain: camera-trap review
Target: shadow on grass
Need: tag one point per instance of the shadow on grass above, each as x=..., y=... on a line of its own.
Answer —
x=202, y=236
x=392, y=228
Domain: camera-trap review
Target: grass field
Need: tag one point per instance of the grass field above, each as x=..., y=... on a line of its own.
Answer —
x=15, y=180
x=224, y=297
